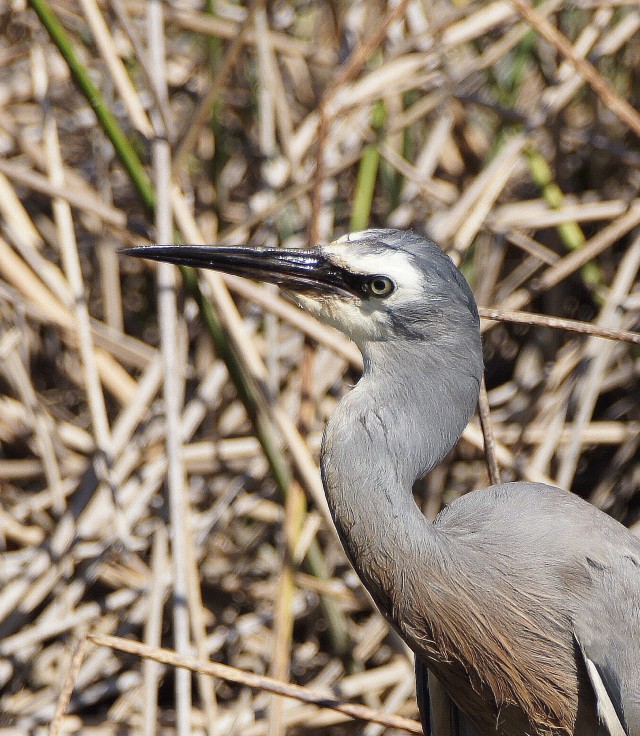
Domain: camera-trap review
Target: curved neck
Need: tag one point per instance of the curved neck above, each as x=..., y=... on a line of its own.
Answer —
x=402, y=418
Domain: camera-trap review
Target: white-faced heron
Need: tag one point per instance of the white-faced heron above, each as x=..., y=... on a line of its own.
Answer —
x=521, y=601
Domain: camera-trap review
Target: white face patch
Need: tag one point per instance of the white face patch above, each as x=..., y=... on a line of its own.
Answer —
x=364, y=320
x=394, y=264
x=347, y=315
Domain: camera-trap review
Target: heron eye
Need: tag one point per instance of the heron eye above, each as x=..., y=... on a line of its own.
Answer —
x=380, y=286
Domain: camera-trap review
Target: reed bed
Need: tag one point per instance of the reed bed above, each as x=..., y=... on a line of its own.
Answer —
x=160, y=498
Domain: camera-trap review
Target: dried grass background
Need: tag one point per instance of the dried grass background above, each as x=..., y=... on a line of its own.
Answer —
x=158, y=462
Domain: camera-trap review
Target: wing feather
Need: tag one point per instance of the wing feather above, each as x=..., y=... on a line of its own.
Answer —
x=608, y=697
x=439, y=715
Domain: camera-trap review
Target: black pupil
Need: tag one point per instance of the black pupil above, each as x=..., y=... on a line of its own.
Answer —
x=379, y=285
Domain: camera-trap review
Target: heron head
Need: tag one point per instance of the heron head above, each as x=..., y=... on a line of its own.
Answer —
x=374, y=285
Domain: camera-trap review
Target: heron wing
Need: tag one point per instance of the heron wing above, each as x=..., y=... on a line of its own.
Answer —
x=439, y=715
x=607, y=692
x=607, y=630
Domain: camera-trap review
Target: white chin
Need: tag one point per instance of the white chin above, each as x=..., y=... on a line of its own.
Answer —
x=306, y=302
x=346, y=315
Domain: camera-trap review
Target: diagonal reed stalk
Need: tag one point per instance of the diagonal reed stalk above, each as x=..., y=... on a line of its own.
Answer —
x=250, y=394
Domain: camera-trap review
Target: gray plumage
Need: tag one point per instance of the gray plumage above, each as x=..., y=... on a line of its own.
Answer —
x=521, y=601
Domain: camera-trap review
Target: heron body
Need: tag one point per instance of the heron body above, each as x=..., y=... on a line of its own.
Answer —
x=521, y=601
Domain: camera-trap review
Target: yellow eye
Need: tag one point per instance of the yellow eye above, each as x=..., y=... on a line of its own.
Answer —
x=380, y=286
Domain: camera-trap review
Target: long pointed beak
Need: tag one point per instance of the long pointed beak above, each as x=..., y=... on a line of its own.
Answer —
x=297, y=270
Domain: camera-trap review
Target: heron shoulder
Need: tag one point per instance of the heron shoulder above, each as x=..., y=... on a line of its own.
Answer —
x=533, y=509
x=543, y=538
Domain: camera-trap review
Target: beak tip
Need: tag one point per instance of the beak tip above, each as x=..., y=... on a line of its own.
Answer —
x=150, y=252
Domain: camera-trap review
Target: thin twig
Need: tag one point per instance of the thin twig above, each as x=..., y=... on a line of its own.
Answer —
x=67, y=687
x=107, y=119
x=153, y=630
x=107, y=47
x=558, y=323
x=206, y=106
x=260, y=682
x=589, y=390
x=173, y=377
x=355, y=62
x=484, y=413
x=600, y=86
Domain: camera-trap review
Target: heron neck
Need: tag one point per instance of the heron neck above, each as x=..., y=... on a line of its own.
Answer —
x=405, y=414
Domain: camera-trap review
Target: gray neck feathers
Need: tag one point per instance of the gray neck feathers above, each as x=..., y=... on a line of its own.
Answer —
x=402, y=418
